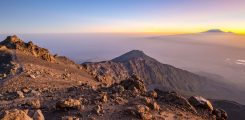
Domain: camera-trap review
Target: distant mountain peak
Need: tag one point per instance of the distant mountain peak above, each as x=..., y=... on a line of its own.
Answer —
x=216, y=31
x=135, y=53
x=130, y=55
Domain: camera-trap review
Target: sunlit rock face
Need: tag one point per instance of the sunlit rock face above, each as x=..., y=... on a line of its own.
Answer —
x=13, y=42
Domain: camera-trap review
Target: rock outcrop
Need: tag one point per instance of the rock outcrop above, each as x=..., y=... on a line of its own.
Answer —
x=13, y=42
x=133, y=83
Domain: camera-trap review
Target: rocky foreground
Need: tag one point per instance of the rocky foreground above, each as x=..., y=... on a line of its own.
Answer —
x=36, y=85
x=126, y=100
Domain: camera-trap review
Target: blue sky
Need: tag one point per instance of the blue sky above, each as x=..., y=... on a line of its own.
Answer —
x=77, y=16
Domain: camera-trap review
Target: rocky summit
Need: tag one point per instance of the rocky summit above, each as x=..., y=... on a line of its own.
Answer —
x=36, y=85
x=13, y=42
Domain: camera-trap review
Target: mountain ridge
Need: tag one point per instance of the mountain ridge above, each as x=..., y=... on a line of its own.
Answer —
x=62, y=89
x=157, y=75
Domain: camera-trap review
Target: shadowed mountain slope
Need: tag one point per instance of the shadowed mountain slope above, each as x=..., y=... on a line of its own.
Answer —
x=158, y=75
x=235, y=110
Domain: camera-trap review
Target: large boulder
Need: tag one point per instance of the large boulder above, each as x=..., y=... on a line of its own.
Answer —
x=15, y=115
x=200, y=102
x=68, y=103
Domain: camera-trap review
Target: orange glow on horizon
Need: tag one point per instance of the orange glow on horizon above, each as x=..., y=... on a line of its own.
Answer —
x=166, y=31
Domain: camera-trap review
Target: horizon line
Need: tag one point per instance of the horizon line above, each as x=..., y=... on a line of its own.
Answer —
x=141, y=33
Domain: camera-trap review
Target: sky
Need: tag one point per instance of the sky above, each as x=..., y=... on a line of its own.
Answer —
x=121, y=16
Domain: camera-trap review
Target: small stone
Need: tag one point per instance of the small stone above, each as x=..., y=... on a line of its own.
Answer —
x=69, y=118
x=104, y=98
x=4, y=75
x=91, y=118
x=25, y=90
x=118, y=89
x=20, y=94
x=142, y=108
x=98, y=110
x=119, y=100
x=154, y=106
x=84, y=101
x=152, y=94
x=140, y=111
x=32, y=76
x=146, y=116
x=34, y=93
